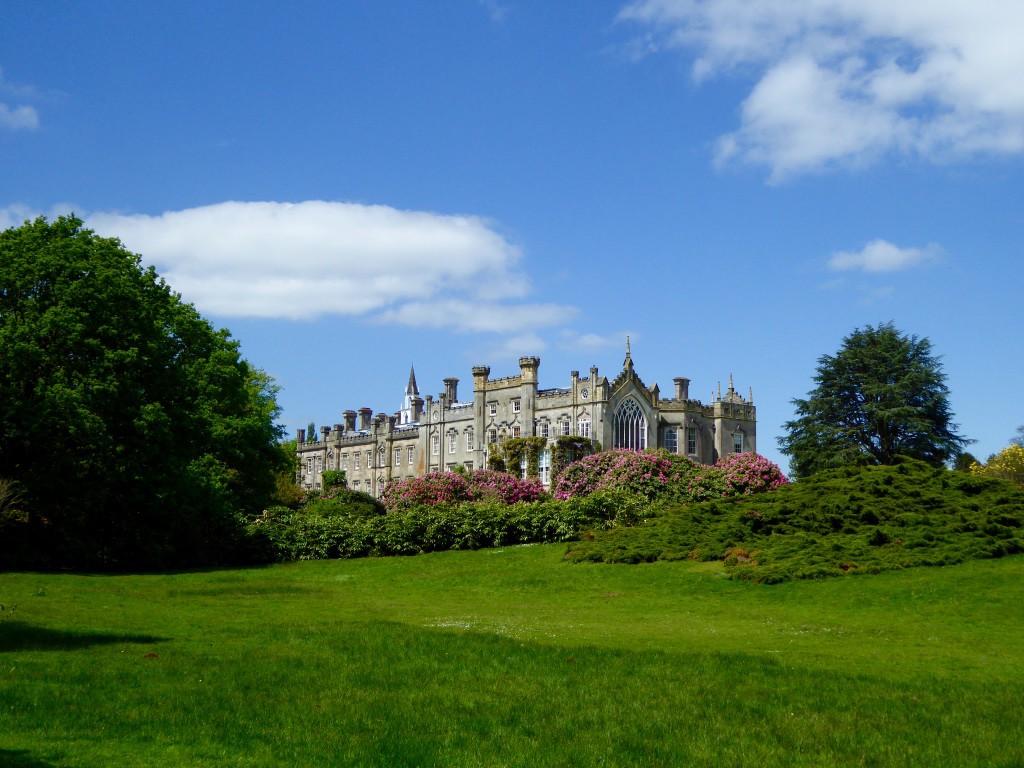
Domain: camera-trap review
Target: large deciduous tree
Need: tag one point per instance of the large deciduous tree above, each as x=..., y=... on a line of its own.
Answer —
x=136, y=432
x=881, y=397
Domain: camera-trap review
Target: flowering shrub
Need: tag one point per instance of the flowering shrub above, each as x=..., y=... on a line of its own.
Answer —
x=748, y=473
x=654, y=473
x=1007, y=464
x=645, y=473
x=458, y=487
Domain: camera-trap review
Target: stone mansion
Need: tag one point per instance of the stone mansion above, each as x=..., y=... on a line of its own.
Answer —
x=429, y=435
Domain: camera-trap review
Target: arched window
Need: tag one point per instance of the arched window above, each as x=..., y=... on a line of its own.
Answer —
x=629, y=427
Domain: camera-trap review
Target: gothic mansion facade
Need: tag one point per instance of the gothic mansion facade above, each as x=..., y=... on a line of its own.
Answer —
x=429, y=435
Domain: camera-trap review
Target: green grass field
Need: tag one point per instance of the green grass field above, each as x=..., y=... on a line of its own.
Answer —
x=512, y=657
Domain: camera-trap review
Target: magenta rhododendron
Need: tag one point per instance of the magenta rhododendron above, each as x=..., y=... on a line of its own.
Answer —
x=748, y=473
x=455, y=487
x=653, y=473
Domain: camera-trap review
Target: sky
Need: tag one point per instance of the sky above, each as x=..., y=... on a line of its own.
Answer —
x=352, y=188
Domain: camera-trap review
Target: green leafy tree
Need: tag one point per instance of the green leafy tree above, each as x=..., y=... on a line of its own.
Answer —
x=137, y=433
x=881, y=397
x=1019, y=439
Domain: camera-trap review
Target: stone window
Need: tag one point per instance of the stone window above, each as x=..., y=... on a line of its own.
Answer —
x=517, y=406
x=369, y=459
x=629, y=427
x=344, y=461
x=737, y=442
x=453, y=441
x=670, y=440
x=409, y=453
x=544, y=466
x=355, y=461
x=469, y=439
x=544, y=429
x=435, y=445
x=691, y=441
x=398, y=457
x=515, y=431
x=564, y=427
x=583, y=426
x=492, y=409
x=492, y=435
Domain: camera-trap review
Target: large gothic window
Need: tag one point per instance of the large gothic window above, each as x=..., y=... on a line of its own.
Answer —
x=630, y=427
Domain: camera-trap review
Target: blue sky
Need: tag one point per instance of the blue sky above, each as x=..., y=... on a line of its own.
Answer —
x=351, y=188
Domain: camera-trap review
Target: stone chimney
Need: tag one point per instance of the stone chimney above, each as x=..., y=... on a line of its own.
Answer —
x=365, y=414
x=300, y=436
x=451, y=390
x=350, y=421
x=416, y=405
x=325, y=432
x=682, y=388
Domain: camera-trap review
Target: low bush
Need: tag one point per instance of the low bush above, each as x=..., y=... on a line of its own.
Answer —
x=850, y=520
x=657, y=474
x=457, y=487
x=355, y=525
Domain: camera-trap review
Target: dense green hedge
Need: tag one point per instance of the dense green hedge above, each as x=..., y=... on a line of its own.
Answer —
x=850, y=520
x=353, y=524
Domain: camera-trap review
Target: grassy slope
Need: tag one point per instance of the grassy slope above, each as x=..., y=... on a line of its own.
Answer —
x=853, y=520
x=512, y=657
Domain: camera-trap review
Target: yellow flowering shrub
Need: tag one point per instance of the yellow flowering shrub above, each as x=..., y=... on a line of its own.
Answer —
x=1007, y=464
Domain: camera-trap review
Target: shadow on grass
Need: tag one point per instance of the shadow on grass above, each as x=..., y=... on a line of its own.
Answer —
x=15, y=636
x=21, y=758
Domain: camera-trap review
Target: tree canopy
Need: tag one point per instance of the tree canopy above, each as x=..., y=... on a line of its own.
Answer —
x=136, y=432
x=881, y=397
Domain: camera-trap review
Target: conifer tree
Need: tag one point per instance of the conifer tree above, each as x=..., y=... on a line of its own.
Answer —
x=881, y=397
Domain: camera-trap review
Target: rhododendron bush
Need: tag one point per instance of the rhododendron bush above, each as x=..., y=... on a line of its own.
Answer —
x=748, y=473
x=653, y=474
x=458, y=487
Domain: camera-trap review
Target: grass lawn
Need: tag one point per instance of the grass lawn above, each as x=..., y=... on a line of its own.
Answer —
x=512, y=657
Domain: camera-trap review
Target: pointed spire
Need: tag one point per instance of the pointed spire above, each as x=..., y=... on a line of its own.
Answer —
x=731, y=388
x=627, y=364
x=412, y=389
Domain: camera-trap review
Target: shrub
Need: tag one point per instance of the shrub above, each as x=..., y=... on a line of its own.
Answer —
x=844, y=521
x=645, y=473
x=458, y=487
x=748, y=473
x=653, y=474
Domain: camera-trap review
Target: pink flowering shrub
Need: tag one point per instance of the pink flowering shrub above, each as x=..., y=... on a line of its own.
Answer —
x=458, y=487
x=748, y=473
x=655, y=473
x=645, y=473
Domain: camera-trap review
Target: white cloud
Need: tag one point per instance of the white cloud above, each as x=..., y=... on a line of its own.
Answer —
x=497, y=11
x=478, y=315
x=306, y=260
x=882, y=256
x=594, y=342
x=840, y=82
x=315, y=258
x=16, y=117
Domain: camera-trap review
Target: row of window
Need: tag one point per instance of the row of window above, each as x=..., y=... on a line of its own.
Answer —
x=357, y=458
x=492, y=407
x=672, y=445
